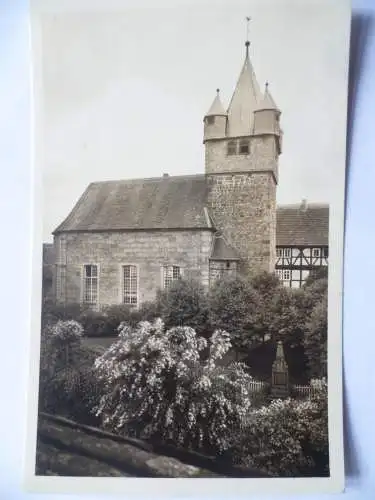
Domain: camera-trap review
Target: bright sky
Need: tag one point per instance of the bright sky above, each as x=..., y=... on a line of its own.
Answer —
x=125, y=93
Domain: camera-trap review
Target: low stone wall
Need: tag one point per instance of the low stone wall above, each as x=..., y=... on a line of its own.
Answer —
x=65, y=448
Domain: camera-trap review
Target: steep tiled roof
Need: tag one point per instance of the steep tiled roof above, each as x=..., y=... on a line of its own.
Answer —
x=221, y=250
x=302, y=225
x=158, y=203
x=267, y=102
x=245, y=100
x=216, y=107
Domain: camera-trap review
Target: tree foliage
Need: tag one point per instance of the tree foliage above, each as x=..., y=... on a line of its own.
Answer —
x=315, y=339
x=184, y=304
x=257, y=308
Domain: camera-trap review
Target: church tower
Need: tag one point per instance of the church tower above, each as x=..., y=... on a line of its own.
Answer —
x=242, y=147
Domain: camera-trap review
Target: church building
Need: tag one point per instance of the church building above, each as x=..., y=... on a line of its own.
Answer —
x=125, y=239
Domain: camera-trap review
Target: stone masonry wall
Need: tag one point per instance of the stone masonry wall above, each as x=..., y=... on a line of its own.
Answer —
x=263, y=156
x=150, y=250
x=242, y=198
x=221, y=269
x=244, y=209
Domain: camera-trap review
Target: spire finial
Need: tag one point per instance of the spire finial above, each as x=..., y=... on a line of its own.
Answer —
x=217, y=91
x=247, y=43
x=266, y=85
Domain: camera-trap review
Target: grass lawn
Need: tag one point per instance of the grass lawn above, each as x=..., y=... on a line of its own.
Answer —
x=99, y=342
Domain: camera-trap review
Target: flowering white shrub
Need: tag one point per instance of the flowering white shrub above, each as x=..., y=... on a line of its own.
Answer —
x=67, y=330
x=164, y=384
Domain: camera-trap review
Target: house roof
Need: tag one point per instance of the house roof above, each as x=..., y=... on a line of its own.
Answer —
x=305, y=224
x=158, y=203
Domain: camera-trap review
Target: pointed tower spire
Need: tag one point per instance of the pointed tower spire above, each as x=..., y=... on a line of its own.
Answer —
x=216, y=109
x=245, y=99
x=267, y=101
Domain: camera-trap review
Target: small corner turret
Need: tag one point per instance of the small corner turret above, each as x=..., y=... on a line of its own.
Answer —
x=215, y=120
x=267, y=118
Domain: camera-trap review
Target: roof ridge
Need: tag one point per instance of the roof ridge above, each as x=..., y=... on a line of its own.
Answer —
x=298, y=205
x=149, y=179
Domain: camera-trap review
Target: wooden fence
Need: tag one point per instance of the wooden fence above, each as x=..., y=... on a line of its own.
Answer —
x=256, y=386
x=296, y=391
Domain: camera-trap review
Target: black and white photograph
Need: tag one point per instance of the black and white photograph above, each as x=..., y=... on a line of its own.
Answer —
x=190, y=178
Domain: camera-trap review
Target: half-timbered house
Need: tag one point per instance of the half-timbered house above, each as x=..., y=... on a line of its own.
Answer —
x=301, y=242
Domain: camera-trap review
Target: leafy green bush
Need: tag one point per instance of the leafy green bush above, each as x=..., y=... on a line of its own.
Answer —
x=52, y=312
x=67, y=382
x=315, y=339
x=286, y=438
x=157, y=386
x=185, y=304
x=233, y=306
x=254, y=308
x=94, y=323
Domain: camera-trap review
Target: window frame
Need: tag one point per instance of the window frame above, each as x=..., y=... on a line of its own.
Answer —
x=318, y=251
x=163, y=276
x=122, y=287
x=83, y=284
x=210, y=120
x=241, y=144
x=288, y=277
x=232, y=151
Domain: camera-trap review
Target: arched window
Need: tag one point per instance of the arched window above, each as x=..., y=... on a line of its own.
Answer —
x=244, y=147
x=231, y=148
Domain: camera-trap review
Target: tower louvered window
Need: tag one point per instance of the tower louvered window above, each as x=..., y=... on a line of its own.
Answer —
x=170, y=274
x=244, y=147
x=232, y=148
x=130, y=285
x=90, y=284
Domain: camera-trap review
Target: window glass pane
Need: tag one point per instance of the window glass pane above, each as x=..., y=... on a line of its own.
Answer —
x=90, y=291
x=286, y=274
x=130, y=285
x=170, y=274
x=231, y=148
x=244, y=146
